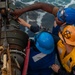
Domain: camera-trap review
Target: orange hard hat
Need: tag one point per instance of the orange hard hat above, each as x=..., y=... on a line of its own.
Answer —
x=68, y=35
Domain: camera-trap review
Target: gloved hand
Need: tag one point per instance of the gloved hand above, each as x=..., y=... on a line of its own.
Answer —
x=16, y=13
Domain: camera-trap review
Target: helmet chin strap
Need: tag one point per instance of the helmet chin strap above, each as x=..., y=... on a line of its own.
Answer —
x=63, y=38
x=63, y=24
x=61, y=29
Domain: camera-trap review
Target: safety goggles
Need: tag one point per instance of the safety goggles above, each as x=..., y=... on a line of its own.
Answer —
x=61, y=14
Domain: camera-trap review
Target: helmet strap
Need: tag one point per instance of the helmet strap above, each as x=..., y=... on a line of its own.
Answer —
x=63, y=37
x=63, y=24
x=61, y=29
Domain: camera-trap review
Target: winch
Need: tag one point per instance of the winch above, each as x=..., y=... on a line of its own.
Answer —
x=13, y=42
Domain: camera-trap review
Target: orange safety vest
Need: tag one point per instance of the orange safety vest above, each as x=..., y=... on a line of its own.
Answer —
x=67, y=61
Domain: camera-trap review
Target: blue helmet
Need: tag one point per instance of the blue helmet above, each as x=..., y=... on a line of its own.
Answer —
x=44, y=42
x=66, y=15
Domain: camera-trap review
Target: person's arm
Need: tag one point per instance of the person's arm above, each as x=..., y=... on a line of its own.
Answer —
x=32, y=28
x=63, y=72
x=23, y=22
x=39, y=5
x=55, y=29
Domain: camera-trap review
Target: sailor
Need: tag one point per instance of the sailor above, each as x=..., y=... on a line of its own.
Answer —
x=62, y=15
x=42, y=51
x=66, y=50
